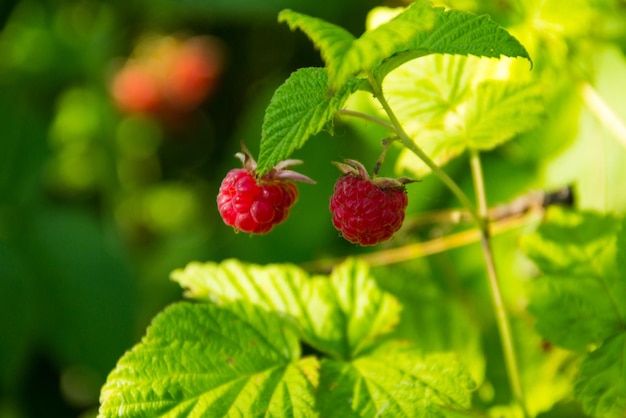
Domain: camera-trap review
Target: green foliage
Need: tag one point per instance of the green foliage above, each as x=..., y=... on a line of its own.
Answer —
x=203, y=360
x=578, y=301
x=346, y=55
x=97, y=203
x=499, y=110
x=460, y=33
x=339, y=315
x=418, y=30
x=301, y=107
x=601, y=384
x=238, y=352
x=393, y=382
x=481, y=117
x=449, y=103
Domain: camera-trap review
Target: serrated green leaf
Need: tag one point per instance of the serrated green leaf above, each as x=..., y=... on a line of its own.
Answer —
x=204, y=360
x=424, y=301
x=571, y=312
x=301, y=107
x=448, y=103
x=499, y=110
x=345, y=55
x=601, y=384
x=578, y=302
x=340, y=315
x=577, y=243
x=416, y=31
x=332, y=41
x=395, y=383
x=460, y=33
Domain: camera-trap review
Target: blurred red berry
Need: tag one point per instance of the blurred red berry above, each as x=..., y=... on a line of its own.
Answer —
x=168, y=76
x=193, y=74
x=136, y=90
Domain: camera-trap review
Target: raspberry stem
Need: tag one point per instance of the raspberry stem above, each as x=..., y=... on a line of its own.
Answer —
x=504, y=327
x=406, y=140
x=425, y=248
x=365, y=116
x=480, y=216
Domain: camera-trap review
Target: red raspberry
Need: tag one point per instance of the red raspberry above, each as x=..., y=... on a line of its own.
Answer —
x=367, y=211
x=255, y=204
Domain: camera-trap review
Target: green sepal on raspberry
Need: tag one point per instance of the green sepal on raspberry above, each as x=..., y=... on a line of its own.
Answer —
x=255, y=204
x=367, y=211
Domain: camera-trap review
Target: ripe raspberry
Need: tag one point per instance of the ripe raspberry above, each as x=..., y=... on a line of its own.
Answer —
x=254, y=204
x=367, y=211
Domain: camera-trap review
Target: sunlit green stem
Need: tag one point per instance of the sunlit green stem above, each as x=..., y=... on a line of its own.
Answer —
x=504, y=327
x=481, y=218
x=413, y=147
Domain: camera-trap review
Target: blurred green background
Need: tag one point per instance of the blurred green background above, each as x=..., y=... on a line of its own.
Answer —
x=106, y=189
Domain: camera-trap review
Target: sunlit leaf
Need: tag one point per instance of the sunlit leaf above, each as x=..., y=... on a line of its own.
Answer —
x=301, y=107
x=499, y=110
x=425, y=302
x=448, y=103
x=395, y=383
x=346, y=55
x=333, y=41
x=415, y=31
x=204, y=360
x=460, y=33
x=340, y=315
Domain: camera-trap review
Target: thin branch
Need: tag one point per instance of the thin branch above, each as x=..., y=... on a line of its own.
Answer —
x=411, y=145
x=502, y=320
x=480, y=216
x=365, y=116
x=434, y=246
x=532, y=201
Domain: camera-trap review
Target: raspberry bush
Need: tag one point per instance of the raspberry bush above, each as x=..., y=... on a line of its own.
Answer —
x=357, y=337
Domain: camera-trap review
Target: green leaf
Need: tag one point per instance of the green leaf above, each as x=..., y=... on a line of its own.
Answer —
x=301, y=107
x=345, y=55
x=393, y=382
x=577, y=243
x=460, y=33
x=204, y=360
x=601, y=384
x=499, y=110
x=416, y=31
x=424, y=301
x=448, y=103
x=340, y=314
x=578, y=303
x=333, y=41
x=578, y=300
